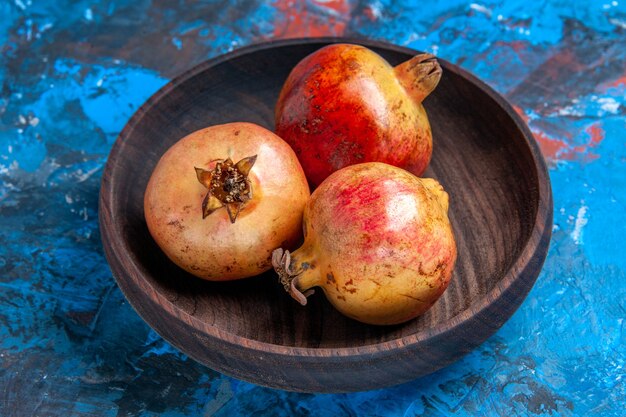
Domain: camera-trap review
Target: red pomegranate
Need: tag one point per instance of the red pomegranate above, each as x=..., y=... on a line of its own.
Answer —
x=344, y=105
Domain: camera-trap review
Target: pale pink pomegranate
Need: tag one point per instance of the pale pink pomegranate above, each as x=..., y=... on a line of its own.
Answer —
x=377, y=241
x=221, y=199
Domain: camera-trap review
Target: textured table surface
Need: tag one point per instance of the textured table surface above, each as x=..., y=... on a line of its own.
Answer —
x=73, y=72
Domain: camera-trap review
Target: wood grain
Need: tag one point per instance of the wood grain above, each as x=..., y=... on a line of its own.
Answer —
x=501, y=211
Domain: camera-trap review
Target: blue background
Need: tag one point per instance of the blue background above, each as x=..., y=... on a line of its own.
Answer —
x=73, y=72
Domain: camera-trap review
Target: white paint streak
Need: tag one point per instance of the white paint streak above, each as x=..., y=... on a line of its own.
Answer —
x=19, y=4
x=481, y=9
x=85, y=176
x=569, y=111
x=88, y=15
x=413, y=37
x=377, y=10
x=609, y=104
x=618, y=22
x=29, y=30
x=581, y=222
x=224, y=395
x=12, y=167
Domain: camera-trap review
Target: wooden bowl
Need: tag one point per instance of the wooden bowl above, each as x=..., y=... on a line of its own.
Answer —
x=501, y=212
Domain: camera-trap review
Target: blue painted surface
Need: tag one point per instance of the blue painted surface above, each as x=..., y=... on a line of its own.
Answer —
x=73, y=72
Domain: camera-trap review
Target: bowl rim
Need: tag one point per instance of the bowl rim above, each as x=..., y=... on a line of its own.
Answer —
x=542, y=224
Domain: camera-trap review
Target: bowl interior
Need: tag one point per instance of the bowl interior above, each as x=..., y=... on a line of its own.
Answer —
x=480, y=156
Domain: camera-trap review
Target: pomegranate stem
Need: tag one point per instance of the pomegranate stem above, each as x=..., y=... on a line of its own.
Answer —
x=419, y=75
x=282, y=262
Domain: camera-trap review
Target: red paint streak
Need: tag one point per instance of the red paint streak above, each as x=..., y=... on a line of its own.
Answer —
x=561, y=148
x=521, y=113
x=518, y=46
x=551, y=148
x=83, y=318
x=596, y=136
x=562, y=63
x=596, y=133
x=620, y=82
x=341, y=7
x=311, y=18
x=369, y=13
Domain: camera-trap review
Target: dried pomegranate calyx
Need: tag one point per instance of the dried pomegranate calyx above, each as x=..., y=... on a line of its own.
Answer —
x=290, y=280
x=228, y=186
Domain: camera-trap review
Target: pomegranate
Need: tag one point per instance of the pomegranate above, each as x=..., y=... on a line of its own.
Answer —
x=223, y=198
x=344, y=105
x=377, y=240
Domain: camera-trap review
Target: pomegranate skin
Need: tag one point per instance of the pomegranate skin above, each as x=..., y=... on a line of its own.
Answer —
x=344, y=105
x=215, y=248
x=377, y=241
